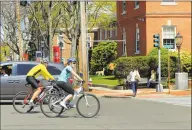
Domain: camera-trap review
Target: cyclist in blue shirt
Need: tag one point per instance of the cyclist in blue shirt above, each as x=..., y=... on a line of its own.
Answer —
x=63, y=78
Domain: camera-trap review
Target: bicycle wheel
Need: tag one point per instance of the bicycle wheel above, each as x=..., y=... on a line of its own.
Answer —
x=50, y=105
x=21, y=102
x=86, y=102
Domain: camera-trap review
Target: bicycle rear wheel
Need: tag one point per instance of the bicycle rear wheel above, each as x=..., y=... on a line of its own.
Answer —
x=21, y=102
x=88, y=105
x=50, y=105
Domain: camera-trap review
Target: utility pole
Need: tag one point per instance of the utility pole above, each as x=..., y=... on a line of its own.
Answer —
x=83, y=42
x=50, y=34
x=19, y=30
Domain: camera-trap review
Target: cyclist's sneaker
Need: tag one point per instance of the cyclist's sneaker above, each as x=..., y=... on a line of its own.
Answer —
x=63, y=104
x=31, y=104
x=72, y=105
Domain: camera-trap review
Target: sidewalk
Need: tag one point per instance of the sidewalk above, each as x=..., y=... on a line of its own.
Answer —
x=141, y=93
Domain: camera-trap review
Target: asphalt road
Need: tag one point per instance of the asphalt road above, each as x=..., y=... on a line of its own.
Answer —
x=115, y=113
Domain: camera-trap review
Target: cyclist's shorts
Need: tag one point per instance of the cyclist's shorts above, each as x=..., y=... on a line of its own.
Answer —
x=33, y=81
x=66, y=87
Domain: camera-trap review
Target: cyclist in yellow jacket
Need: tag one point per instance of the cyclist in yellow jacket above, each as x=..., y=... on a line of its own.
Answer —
x=40, y=69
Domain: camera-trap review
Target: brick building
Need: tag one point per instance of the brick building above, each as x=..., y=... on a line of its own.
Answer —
x=138, y=21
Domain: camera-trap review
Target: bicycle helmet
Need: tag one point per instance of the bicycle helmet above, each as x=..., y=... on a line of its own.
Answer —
x=44, y=60
x=71, y=60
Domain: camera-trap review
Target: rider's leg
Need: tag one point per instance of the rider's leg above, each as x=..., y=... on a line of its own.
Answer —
x=35, y=85
x=36, y=93
x=66, y=87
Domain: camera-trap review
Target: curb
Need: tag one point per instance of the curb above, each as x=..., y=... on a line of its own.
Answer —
x=107, y=96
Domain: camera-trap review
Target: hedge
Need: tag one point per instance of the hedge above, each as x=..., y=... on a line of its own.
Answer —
x=145, y=64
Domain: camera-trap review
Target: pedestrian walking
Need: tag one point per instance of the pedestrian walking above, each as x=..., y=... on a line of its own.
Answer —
x=135, y=78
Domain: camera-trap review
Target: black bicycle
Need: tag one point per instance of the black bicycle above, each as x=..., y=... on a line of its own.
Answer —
x=87, y=105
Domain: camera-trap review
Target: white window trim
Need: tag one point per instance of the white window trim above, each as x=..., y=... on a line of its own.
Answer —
x=111, y=31
x=137, y=51
x=58, y=42
x=116, y=30
x=105, y=33
x=136, y=7
x=100, y=34
x=168, y=3
x=124, y=11
x=163, y=38
x=124, y=43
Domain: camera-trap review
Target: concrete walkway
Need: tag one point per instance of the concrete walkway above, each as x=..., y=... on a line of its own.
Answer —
x=142, y=93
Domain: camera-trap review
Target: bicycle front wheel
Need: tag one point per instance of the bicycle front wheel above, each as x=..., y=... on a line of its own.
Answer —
x=50, y=105
x=88, y=105
x=21, y=102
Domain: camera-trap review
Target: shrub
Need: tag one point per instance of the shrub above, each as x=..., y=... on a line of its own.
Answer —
x=145, y=64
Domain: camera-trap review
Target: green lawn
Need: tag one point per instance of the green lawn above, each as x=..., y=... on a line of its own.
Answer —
x=107, y=80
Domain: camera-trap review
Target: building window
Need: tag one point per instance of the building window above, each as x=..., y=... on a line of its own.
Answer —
x=137, y=43
x=62, y=40
x=136, y=4
x=111, y=30
x=168, y=2
x=89, y=41
x=168, y=36
x=123, y=7
x=100, y=34
x=105, y=33
x=124, y=43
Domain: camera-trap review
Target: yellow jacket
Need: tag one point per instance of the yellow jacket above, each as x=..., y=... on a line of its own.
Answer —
x=40, y=69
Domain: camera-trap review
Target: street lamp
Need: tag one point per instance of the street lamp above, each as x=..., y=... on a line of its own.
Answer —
x=42, y=47
x=178, y=41
x=61, y=45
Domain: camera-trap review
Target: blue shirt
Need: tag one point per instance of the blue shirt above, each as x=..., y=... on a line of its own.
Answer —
x=65, y=74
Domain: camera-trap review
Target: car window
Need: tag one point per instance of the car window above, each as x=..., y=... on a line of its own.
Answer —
x=7, y=70
x=23, y=69
x=53, y=70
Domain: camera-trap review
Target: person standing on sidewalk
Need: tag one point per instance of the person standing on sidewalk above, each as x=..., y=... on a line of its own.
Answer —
x=135, y=78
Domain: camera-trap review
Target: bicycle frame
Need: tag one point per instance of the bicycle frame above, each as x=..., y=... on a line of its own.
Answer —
x=80, y=91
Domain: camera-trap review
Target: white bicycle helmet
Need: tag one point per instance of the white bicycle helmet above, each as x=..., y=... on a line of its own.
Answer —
x=44, y=60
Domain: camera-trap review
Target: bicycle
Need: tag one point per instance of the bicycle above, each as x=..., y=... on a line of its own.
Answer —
x=22, y=98
x=55, y=99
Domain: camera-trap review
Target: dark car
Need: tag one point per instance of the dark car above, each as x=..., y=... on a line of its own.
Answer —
x=16, y=79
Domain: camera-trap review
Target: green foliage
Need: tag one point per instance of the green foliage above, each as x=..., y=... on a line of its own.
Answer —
x=4, y=55
x=145, y=64
x=103, y=14
x=184, y=56
x=154, y=52
x=103, y=54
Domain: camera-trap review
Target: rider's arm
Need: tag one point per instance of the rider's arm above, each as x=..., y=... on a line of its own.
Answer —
x=46, y=74
x=76, y=75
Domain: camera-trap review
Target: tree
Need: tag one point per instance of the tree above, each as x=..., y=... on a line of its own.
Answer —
x=9, y=26
x=45, y=17
x=103, y=54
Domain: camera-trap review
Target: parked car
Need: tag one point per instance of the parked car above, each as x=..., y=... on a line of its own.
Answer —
x=16, y=79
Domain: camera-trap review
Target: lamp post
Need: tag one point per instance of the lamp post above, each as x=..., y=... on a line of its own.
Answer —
x=178, y=41
x=61, y=45
x=42, y=47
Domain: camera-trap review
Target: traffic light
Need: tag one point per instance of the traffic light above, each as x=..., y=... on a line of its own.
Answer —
x=23, y=3
x=156, y=40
